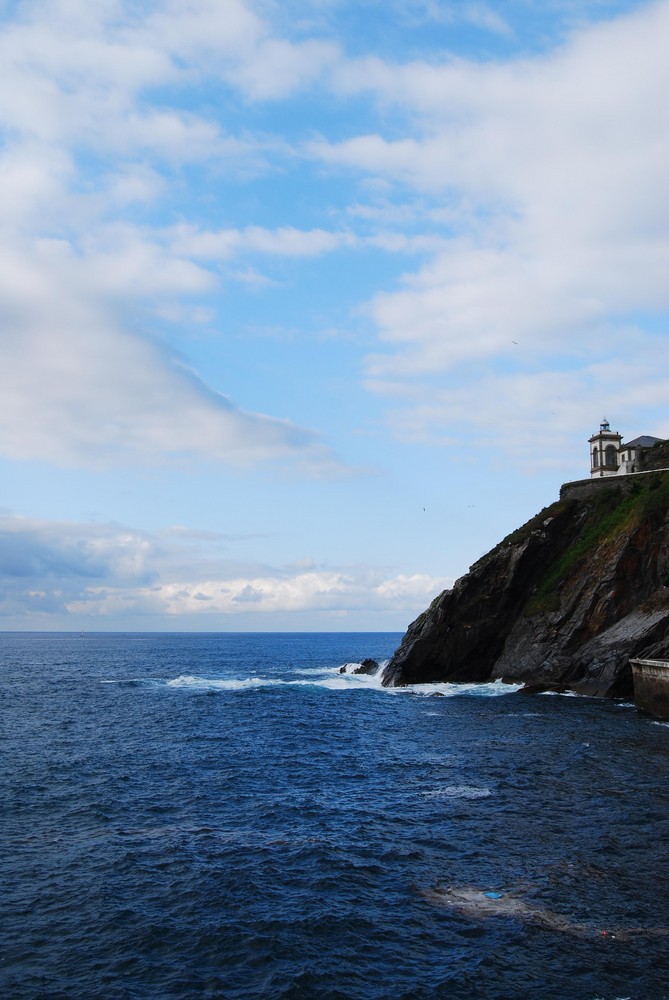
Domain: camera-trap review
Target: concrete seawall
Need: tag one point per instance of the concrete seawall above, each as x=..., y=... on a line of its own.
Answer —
x=651, y=686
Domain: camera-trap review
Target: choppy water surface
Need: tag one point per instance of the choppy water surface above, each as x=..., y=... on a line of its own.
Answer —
x=229, y=816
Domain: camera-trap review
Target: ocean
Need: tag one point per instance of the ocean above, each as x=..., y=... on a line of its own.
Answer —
x=229, y=815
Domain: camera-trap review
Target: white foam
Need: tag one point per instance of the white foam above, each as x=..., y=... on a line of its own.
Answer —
x=146, y=681
x=492, y=689
x=348, y=681
x=333, y=682
x=458, y=792
x=221, y=684
x=315, y=671
x=330, y=678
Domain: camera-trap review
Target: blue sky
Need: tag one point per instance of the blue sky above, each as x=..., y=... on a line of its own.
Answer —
x=305, y=305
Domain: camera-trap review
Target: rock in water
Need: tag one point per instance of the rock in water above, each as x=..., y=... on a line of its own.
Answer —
x=565, y=600
x=479, y=904
x=368, y=666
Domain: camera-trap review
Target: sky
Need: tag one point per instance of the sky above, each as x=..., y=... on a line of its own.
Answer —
x=306, y=304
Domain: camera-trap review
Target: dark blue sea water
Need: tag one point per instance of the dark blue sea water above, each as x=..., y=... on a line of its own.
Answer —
x=189, y=816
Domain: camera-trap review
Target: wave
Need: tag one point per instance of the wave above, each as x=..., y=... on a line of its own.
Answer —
x=490, y=689
x=342, y=678
x=133, y=681
x=457, y=792
x=330, y=679
x=222, y=683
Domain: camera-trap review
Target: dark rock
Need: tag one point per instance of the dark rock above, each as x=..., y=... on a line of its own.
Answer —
x=368, y=666
x=566, y=600
x=542, y=689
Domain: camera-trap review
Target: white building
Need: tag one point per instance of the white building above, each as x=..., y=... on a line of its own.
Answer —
x=610, y=457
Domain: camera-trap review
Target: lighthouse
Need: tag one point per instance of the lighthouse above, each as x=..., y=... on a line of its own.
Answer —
x=604, y=451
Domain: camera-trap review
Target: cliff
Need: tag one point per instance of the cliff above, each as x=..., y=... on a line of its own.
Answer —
x=564, y=601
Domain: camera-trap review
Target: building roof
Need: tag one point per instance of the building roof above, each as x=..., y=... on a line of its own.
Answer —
x=645, y=441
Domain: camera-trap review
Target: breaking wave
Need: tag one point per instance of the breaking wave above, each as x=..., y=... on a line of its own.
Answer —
x=342, y=678
x=222, y=684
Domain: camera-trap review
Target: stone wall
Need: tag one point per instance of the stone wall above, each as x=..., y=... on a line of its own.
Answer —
x=582, y=488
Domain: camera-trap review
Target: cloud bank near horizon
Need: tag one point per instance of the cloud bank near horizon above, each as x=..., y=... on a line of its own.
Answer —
x=55, y=572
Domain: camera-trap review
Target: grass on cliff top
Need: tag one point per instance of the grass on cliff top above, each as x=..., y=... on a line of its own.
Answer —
x=518, y=536
x=608, y=515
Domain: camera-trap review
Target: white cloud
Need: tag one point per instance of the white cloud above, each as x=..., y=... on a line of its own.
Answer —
x=480, y=15
x=554, y=171
x=81, y=382
x=233, y=42
x=68, y=70
x=78, y=388
x=101, y=397
x=101, y=571
x=533, y=417
x=549, y=174
x=332, y=591
x=286, y=241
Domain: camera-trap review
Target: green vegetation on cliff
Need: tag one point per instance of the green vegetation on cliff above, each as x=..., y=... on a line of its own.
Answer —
x=608, y=515
x=565, y=599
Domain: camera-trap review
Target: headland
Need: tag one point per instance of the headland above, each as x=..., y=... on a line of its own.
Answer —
x=565, y=601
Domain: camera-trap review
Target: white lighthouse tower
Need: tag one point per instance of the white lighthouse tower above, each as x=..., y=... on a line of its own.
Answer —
x=604, y=451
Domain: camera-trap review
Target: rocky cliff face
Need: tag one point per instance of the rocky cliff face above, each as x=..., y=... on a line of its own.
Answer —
x=564, y=601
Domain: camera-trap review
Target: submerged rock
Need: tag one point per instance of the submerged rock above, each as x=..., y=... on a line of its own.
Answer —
x=564, y=601
x=479, y=904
